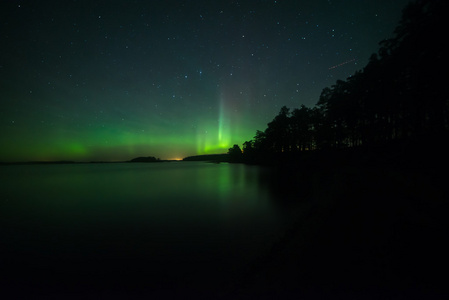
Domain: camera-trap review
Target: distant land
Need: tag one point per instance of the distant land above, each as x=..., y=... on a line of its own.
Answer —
x=145, y=159
x=141, y=159
x=150, y=159
x=208, y=157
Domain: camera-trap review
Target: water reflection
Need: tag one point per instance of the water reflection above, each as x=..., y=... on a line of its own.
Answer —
x=175, y=219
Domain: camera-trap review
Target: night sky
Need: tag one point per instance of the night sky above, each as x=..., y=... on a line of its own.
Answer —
x=113, y=80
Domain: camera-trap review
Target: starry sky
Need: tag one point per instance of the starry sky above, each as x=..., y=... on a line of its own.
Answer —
x=113, y=80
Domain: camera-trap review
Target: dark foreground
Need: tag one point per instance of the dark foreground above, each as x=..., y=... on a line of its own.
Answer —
x=377, y=230
x=374, y=227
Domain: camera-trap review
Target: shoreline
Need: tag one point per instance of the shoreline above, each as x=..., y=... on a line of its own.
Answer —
x=374, y=232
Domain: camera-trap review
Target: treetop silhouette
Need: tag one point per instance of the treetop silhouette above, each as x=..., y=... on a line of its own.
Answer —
x=399, y=95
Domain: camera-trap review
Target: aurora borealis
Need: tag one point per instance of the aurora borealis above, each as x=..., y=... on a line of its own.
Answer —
x=113, y=80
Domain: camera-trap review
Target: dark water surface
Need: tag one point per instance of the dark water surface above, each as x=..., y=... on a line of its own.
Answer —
x=132, y=229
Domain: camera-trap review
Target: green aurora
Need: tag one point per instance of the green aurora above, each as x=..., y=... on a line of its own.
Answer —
x=123, y=140
x=117, y=81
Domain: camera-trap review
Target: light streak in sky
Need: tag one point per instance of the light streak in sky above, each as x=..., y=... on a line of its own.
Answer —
x=343, y=63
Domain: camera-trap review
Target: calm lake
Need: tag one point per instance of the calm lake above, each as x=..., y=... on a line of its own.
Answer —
x=161, y=228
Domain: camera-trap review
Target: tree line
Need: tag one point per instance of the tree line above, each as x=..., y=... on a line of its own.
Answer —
x=400, y=94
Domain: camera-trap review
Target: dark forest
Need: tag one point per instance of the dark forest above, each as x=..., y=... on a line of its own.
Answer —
x=399, y=98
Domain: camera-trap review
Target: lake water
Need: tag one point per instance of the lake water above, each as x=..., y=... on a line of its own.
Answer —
x=161, y=228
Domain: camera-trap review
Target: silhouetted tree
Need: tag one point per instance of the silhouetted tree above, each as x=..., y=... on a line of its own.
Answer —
x=301, y=129
x=398, y=95
x=277, y=133
x=260, y=141
x=235, y=154
x=249, y=152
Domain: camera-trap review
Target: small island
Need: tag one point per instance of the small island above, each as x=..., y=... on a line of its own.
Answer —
x=216, y=158
x=145, y=159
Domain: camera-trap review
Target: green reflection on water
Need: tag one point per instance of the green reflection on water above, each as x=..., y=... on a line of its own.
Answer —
x=186, y=215
x=165, y=192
